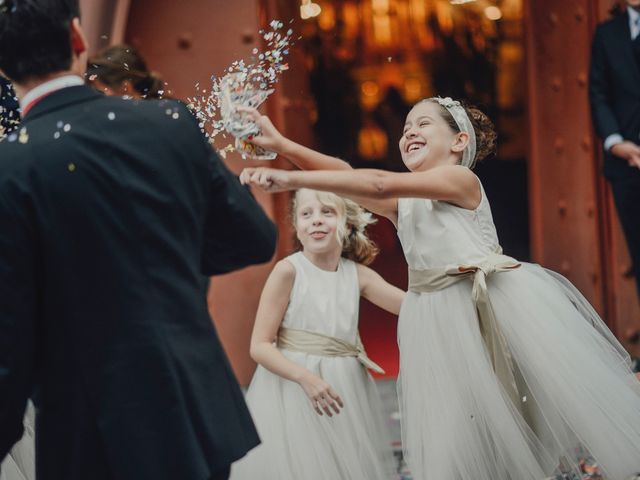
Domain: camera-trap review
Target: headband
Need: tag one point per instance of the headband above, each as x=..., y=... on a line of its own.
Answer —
x=463, y=122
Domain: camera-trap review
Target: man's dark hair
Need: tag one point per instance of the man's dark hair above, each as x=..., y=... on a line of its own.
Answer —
x=34, y=37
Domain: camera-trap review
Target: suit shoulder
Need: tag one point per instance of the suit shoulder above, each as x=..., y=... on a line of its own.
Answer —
x=611, y=25
x=141, y=105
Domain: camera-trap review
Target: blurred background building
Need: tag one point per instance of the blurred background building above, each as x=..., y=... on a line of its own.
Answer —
x=354, y=73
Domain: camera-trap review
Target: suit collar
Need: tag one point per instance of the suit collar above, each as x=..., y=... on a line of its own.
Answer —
x=632, y=17
x=61, y=99
x=47, y=88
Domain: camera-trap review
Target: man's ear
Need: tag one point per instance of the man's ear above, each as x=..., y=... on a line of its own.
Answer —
x=460, y=143
x=79, y=44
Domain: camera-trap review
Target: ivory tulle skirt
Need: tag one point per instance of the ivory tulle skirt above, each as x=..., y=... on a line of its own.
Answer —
x=20, y=463
x=578, y=396
x=297, y=443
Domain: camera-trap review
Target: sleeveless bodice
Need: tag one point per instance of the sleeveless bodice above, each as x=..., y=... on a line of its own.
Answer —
x=322, y=301
x=437, y=234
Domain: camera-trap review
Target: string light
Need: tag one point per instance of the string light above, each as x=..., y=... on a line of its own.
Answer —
x=493, y=13
x=308, y=9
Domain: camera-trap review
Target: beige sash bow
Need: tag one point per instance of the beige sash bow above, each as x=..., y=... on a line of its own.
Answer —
x=319, y=344
x=434, y=279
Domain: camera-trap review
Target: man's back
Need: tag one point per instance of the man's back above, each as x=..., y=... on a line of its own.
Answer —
x=117, y=209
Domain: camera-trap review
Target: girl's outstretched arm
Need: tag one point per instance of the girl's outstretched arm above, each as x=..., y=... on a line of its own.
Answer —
x=378, y=291
x=450, y=183
x=273, y=304
x=307, y=159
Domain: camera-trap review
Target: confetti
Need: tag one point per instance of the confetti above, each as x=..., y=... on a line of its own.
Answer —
x=246, y=84
x=23, y=136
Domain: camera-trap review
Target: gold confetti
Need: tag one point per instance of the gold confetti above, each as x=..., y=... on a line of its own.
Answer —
x=23, y=136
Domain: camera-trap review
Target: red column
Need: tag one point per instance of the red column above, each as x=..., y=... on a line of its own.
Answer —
x=563, y=173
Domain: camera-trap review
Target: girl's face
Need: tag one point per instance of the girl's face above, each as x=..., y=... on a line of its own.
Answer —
x=316, y=224
x=427, y=138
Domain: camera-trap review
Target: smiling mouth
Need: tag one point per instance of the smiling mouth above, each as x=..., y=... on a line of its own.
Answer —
x=318, y=235
x=414, y=147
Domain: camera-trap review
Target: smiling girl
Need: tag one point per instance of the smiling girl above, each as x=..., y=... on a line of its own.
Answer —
x=313, y=402
x=506, y=372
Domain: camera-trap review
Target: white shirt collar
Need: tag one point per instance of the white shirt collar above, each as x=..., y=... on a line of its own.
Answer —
x=50, y=87
x=634, y=22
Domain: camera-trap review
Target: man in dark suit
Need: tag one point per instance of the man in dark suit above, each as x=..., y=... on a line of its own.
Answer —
x=614, y=91
x=110, y=212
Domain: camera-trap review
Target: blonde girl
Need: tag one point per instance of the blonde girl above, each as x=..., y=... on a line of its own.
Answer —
x=314, y=403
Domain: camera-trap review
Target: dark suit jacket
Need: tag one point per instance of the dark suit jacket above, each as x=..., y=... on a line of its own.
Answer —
x=110, y=212
x=614, y=87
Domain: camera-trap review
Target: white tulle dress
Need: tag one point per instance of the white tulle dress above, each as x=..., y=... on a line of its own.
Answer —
x=577, y=394
x=297, y=443
x=20, y=463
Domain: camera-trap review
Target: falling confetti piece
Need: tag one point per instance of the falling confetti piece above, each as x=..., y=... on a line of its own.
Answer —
x=23, y=136
x=71, y=167
x=111, y=116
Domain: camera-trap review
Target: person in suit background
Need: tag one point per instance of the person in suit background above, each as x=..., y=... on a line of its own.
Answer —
x=614, y=92
x=121, y=70
x=110, y=212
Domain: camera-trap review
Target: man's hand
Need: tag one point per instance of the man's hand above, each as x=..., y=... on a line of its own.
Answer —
x=628, y=151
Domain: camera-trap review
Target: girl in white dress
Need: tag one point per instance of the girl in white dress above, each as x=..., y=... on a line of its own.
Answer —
x=506, y=372
x=314, y=404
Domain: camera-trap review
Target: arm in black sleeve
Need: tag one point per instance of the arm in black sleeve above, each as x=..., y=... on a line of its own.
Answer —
x=600, y=89
x=18, y=309
x=238, y=233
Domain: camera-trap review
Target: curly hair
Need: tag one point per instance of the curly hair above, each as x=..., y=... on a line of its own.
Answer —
x=486, y=136
x=119, y=63
x=353, y=221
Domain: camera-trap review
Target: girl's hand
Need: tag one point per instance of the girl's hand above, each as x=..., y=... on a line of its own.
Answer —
x=268, y=179
x=269, y=138
x=322, y=395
